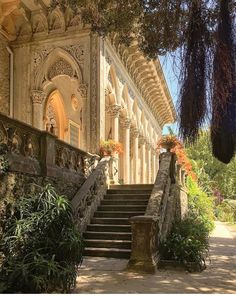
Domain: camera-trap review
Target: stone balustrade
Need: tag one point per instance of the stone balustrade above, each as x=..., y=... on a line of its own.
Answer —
x=167, y=203
x=91, y=193
x=40, y=153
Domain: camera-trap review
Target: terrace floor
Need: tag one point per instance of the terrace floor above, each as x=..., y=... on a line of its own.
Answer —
x=105, y=275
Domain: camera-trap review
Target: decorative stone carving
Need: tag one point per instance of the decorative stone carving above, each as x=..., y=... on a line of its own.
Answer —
x=90, y=194
x=113, y=110
x=39, y=23
x=57, y=20
x=134, y=132
x=83, y=90
x=93, y=93
x=126, y=122
x=60, y=67
x=77, y=51
x=74, y=103
x=107, y=92
x=142, y=139
x=38, y=96
x=40, y=55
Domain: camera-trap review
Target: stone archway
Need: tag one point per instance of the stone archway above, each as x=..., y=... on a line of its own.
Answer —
x=55, y=118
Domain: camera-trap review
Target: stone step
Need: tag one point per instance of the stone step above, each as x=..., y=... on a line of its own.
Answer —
x=107, y=252
x=107, y=235
x=98, y=243
x=132, y=186
x=127, y=196
x=114, y=221
x=125, y=208
x=108, y=228
x=116, y=214
x=121, y=202
x=129, y=191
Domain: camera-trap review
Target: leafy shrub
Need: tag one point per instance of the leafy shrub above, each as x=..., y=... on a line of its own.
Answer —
x=187, y=242
x=226, y=211
x=41, y=248
x=200, y=204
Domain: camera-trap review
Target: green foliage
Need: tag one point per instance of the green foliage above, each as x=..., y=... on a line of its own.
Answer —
x=187, y=242
x=218, y=175
x=41, y=249
x=200, y=204
x=4, y=165
x=226, y=211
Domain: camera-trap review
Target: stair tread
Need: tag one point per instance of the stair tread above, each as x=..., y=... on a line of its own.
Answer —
x=107, y=232
x=126, y=193
x=107, y=249
x=109, y=225
x=107, y=240
x=107, y=219
x=119, y=212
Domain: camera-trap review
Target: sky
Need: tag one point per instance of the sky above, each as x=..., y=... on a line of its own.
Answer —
x=171, y=73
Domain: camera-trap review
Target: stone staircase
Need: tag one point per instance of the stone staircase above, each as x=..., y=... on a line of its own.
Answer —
x=109, y=233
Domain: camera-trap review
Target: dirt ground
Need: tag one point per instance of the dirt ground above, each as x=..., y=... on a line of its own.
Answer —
x=104, y=275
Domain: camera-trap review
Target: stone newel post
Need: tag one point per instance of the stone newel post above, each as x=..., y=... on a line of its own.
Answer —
x=144, y=256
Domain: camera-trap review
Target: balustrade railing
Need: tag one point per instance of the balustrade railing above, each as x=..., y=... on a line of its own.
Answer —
x=166, y=203
x=90, y=194
x=40, y=153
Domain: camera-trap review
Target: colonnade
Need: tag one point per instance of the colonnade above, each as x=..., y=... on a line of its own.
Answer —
x=139, y=162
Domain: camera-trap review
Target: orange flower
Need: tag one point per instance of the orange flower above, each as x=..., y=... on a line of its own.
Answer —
x=110, y=147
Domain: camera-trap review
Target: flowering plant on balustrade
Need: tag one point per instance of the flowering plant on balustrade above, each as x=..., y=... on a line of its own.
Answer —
x=110, y=147
x=173, y=144
x=168, y=142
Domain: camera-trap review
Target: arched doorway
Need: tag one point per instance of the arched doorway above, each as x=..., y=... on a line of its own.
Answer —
x=55, y=119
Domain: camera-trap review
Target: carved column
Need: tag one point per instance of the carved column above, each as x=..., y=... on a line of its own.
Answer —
x=38, y=98
x=143, y=159
x=126, y=124
x=135, y=135
x=149, y=172
x=154, y=171
x=114, y=111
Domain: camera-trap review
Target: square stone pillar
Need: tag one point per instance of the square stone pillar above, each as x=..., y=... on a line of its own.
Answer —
x=144, y=255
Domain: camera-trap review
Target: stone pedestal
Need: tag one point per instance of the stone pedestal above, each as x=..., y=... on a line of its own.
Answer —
x=144, y=256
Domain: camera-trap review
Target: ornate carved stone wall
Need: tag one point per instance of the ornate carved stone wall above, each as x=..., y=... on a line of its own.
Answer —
x=4, y=78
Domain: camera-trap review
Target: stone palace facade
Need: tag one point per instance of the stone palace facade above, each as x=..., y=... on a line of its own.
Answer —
x=56, y=75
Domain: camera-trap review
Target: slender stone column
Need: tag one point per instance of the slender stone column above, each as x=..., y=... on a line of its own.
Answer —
x=114, y=111
x=135, y=134
x=143, y=159
x=149, y=169
x=154, y=171
x=126, y=124
x=38, y=97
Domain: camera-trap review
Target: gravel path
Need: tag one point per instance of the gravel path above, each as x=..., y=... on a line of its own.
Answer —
x=103, y=275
